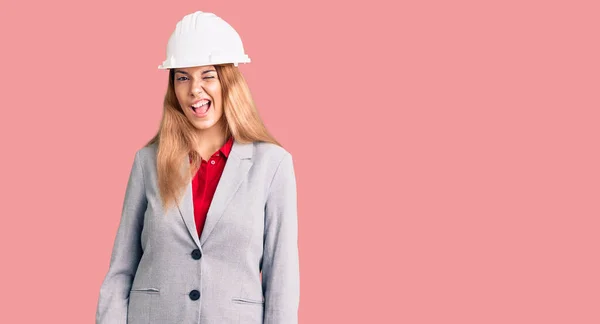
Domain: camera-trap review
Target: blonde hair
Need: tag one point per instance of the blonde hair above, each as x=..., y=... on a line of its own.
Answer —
x=176, y=136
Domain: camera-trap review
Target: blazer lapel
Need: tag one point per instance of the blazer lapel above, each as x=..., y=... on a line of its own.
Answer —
x=237, y=166
x=186, y=209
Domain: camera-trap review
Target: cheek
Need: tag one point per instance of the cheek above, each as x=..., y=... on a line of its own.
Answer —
x=181, y=98
x=219, y=106
x=215, y=92
x=178, y=93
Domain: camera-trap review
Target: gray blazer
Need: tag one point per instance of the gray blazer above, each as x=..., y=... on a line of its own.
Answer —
x=161, y=272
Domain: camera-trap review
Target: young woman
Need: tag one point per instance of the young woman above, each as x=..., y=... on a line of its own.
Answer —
x=208, y=232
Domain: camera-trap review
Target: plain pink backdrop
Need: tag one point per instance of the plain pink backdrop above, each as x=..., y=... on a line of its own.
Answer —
x=447, y=152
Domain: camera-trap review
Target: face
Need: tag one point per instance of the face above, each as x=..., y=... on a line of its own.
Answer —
x=198, y=90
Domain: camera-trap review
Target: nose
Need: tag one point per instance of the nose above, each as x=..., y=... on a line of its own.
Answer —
x=196, y=91
x=196, y=88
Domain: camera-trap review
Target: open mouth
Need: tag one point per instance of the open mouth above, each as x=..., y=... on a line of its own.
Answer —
x=201, y=107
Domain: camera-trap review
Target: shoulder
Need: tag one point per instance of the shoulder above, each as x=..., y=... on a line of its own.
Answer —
x=146, y=153
x=270, y=153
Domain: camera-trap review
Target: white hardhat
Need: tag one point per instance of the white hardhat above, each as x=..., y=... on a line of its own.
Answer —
x=202, y=38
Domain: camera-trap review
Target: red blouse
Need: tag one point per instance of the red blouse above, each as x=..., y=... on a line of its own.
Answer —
x=204, y=183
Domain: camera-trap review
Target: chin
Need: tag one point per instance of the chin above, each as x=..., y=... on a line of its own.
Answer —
x=205, y=125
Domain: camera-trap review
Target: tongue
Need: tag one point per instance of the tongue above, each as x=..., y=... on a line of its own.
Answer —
x=203, y=109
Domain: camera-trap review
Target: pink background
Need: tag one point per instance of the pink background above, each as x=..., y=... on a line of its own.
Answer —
x=447, y=152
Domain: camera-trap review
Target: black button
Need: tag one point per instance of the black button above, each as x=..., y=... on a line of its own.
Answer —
x=196, y=254
x=194, y=294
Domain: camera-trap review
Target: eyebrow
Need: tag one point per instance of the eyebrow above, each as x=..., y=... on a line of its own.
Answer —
x=183, y=72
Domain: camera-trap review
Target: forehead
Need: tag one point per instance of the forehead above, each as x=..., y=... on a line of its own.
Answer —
x=196, y=69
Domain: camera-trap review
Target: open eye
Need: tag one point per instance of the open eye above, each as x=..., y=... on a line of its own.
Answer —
x=182, y=78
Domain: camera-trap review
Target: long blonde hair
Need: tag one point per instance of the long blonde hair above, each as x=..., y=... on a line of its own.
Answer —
x=176, y=136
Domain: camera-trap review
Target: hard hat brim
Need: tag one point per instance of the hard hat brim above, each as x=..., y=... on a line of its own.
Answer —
x=168, y=64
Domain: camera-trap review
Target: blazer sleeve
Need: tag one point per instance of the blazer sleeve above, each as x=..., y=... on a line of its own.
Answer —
x=126, y=252
x=280, y=266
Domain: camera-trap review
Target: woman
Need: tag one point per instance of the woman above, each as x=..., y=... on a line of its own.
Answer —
x=208, y=231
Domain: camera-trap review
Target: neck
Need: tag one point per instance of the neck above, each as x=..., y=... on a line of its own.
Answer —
x=210, y=140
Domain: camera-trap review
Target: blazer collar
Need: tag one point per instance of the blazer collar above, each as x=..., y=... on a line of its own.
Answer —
x=242, y=150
